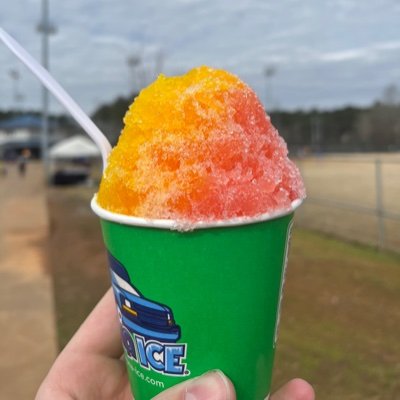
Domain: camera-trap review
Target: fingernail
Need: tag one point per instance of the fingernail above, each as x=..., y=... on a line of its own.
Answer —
x=213, y=385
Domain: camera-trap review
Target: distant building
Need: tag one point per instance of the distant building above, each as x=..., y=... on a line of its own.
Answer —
x=21, y=132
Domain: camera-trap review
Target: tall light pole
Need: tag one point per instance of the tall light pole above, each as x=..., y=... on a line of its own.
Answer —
x=133, y=62
x=45, y=28
x=269, y=72
x=159, y=63
x=316, y=133
x=18, y=97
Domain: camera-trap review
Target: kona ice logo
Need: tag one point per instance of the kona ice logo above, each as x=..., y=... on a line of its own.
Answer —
x=149, y=331
x=164, y=358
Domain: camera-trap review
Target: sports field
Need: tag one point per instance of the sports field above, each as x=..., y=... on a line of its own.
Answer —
x=351, y=180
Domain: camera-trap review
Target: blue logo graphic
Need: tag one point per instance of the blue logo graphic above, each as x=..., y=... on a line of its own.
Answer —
x=149, y=332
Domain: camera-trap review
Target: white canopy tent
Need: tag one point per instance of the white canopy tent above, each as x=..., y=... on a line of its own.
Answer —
x=74, y=147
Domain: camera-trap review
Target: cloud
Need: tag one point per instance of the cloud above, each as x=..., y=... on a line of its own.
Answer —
x=322, y=54
x=368, y=53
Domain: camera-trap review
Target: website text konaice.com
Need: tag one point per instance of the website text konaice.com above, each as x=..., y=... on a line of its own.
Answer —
x=145, y=378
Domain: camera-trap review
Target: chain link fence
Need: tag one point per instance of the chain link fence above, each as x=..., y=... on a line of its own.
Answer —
x=355, y=197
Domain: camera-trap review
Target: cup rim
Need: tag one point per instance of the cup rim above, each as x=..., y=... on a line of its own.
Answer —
x=181, y=225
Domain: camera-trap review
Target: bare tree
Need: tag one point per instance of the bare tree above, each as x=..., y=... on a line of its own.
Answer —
x=379, y=127
x=391, y=95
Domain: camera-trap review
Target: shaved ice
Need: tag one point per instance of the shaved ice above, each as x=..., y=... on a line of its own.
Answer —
x=199, y=147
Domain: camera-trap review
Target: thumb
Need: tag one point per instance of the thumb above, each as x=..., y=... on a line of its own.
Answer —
x=213, y=385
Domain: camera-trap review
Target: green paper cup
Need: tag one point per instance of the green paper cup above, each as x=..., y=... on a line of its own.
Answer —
x=198, y=300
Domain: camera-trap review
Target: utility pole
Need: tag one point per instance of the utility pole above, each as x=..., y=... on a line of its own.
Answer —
x=45, y=28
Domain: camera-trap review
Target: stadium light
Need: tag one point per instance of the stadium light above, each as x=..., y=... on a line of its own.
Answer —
x=18, y=96
x=269, y=72
x=45, y=28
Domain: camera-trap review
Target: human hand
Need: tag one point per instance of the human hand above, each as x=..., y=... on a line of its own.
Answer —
x=90, y=367
x=216, y=386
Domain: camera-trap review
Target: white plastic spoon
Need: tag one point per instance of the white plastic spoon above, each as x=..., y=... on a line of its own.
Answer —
x=63, y=97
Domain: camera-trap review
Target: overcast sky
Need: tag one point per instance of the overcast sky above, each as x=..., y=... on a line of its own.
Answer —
x=324, y=53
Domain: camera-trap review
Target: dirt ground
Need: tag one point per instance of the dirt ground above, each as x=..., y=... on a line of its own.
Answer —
x=339, y=316
x=28, y=342
x=351, y=179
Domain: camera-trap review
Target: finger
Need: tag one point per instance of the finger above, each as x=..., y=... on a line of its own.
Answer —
x=213, y=385
x=100, y=333
x=296, y=389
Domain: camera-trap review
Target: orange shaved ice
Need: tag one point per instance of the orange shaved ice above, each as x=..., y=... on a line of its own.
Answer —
x=199, y=147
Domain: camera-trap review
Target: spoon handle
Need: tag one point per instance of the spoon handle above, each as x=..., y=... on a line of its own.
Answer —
x=63, y=97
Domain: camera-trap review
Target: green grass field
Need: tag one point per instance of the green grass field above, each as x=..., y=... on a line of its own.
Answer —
x=340, y=319
x=339, y=325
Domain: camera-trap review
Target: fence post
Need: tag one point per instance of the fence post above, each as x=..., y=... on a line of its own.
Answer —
x=379, y=204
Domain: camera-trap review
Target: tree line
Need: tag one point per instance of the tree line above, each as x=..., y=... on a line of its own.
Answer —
x=346, y=129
